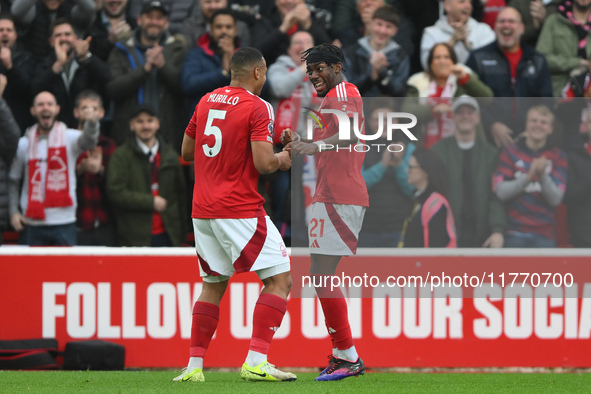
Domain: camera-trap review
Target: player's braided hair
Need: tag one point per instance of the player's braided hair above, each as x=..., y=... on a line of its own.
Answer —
x=328, y=53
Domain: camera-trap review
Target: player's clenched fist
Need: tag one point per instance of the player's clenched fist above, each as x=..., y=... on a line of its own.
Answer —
x=284, y=160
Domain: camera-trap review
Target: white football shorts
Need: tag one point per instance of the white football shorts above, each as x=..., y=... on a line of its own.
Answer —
x=227, y=245
x=334, y=228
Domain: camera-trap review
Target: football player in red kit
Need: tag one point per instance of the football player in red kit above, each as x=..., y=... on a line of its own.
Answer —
x=230, y=140
x=340, y=198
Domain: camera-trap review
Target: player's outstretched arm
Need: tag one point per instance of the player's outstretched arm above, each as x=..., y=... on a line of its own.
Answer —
x=331, y=143
x=188, y=148
x=265, y=161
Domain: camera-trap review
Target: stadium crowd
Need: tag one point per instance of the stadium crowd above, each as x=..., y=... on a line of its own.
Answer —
x=100, y=93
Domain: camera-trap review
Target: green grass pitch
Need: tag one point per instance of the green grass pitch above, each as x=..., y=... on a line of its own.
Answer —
x=225, y=382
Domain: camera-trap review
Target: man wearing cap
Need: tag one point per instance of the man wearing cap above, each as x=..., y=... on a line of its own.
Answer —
x=470, y=162
x=146, y=186
x=146, y=68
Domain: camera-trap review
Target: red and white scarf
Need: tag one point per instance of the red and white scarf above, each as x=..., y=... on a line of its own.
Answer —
x=441, y=126
x=57, y=180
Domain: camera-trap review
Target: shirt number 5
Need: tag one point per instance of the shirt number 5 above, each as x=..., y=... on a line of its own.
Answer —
x=210, y=129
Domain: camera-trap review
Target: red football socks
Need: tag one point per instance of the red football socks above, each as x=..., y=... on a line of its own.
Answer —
x=205, y=322
x=336, y=316
x=268, y=314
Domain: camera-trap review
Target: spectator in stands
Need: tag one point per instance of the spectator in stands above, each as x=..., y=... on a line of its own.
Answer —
x=9, y=135
x=271, y=35
x=534, y=14
x=35, y=18
x=18, y=65
x=111, y=24
x=46, y=155
x=70, y=69
x=289, y=85
x=257, y=8
x=290, y=91
x=564, y=41
x=470, y=163
x=491, y=11
x=207, y=66
x=508, y=66
x=5, y=6
x=376, y=64
x=385, y=172
x=511, y=69
x=458, y=29
x=578, y=188
x=197, y=25
x=531, y=180
x=146, y=186
x=352, y=19
x=95, y=220
x=429, y=93
x=147, y=69
x=424, y=13
x=178, y=10
x=430, y=224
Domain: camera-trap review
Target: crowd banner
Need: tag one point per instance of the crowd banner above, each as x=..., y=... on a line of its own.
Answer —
x=470, y=308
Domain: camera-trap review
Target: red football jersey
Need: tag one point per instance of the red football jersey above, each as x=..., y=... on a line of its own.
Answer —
x=339, y=178
x=223, y=125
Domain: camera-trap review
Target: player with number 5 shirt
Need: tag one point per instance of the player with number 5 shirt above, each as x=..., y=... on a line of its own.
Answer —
x=230, y=139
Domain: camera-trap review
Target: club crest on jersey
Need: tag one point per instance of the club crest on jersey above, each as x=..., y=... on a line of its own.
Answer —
x=271, y=131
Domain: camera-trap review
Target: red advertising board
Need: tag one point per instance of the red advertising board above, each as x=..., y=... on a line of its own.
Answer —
x=142, y=299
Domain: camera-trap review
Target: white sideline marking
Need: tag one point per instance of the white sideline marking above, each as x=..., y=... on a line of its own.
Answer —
x=11, y=250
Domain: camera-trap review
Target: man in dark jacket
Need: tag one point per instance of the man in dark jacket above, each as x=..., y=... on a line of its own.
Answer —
x=146, y=187
x=9, y=135
x=196, y=25
x=207, y=66
x=470, y=162
x=146, y=68
x=376, y=64
x=70, y=69
x=111, y=24
x=271, y=35
x=34, y=18
x=18, y=65
x=511, y=69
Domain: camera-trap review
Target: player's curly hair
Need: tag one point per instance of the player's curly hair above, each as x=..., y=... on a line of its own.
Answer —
x=329, y=49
